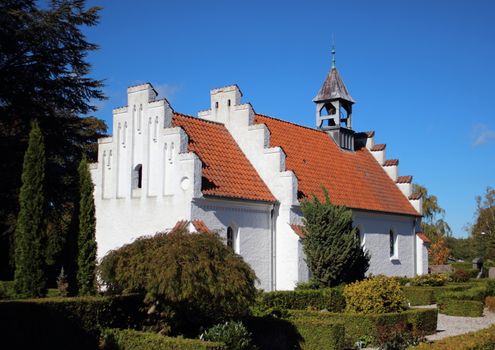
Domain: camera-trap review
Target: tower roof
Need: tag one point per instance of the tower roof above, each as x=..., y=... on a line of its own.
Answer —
x=333, y=88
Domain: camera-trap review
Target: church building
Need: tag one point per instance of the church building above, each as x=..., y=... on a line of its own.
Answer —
x=244, y=175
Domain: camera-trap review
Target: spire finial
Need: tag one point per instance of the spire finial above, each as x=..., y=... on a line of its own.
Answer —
x=333, y=56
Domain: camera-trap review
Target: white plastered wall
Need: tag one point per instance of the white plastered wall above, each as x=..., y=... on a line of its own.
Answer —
x=251, y=222
x=171, y=176
x=421, y=256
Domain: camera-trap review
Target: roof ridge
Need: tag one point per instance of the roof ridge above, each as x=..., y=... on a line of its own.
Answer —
x=287, y=122
x=197, y=118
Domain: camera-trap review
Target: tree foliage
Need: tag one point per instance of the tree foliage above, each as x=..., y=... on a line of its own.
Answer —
x=202, y=280
x=30, y=279
x=483, y=229
x=86, y=261
x=44, y=76
x=331, y=245
x=439, y=251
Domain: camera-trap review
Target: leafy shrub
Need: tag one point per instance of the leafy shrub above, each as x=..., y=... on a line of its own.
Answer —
x=438, y=279
x=481, y=340
x=490, y=303
x=467, y=308
x=330, y=299
x=460, y=276
x=128, y=339
x=490, y=288
x=419, y=322
x=65, y=323
x=7, y=290
x=311, y=284
x=399, y=338
x=320, y=334
x=377, y=295
x=428, y=295
x=273, y=333
x=192, y=280
x=233, y=334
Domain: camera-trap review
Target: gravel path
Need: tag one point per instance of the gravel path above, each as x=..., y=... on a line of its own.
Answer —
x=449, y=326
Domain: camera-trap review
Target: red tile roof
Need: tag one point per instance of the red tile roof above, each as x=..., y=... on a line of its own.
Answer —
x=391, y=162
x=226, y=170
x=378, y=147
x=354, y=179
x=298, y=229
x=200, y=226
x=404, y=179
x=415, y=196
x=423, y=237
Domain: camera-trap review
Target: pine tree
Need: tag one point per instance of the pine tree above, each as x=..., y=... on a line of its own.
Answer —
x=30, y=279
x=86, y=272
x=332, y=246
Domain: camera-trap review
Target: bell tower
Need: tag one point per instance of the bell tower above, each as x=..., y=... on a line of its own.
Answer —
x=334, y=109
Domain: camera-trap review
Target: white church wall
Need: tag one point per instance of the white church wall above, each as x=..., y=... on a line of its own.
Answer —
x=170, y=177
x=421, y=257
x=252, y=225
x=377, y=242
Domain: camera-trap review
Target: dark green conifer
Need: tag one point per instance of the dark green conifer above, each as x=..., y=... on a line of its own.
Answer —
x=333, y=251
x=30, y=279
x=86, y=271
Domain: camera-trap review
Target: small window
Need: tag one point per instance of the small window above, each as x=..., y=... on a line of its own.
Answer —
x=392, y=238
x=138, y=177
x=228, y=103
x=216, y=104
x=230, y=237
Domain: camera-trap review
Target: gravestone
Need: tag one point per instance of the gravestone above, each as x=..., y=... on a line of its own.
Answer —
x=491, y=273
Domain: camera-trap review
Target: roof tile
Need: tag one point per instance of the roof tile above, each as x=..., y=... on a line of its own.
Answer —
x=378, y=147
x=391, y=162
x=404, y=179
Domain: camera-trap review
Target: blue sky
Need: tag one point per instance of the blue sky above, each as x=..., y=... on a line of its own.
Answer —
x=422, y=72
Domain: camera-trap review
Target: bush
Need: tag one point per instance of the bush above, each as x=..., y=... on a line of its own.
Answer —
x=233, y=334
x=376, y=295
x=432, y=280
x=468, y=308
x=370, y=326
x=191, y=280
x=490, y=303
x=330, y=299
x=490, y=288
x=65, y=323
x=320, y=334
x=475, y=293
x=306, y=333
x=460, y=276
x=114, y=339
x=428, y=295
x=7, y=290
x=481, y=340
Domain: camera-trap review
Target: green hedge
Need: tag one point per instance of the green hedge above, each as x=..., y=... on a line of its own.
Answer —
x=128, y=339
x=480, y=340
x=330, y=299
x=7, y=290
x=428, y=295
x=468, y=308
x=475, y=293
x=375, y=326
x=65, y=323
x=271, y=333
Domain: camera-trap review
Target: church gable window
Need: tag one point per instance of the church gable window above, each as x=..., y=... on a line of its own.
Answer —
x=393, y=244
x=137, y=177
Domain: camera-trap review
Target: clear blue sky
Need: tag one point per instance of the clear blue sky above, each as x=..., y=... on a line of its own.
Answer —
x=422, y=72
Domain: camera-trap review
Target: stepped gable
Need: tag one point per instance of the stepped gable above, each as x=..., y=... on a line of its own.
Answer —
x=226, y=170
x=354, y=179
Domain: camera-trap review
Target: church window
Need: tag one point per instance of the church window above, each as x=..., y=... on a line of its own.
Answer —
x=230, y=237
x=393, y=243
x=137, y=179
x=216, y=104
x=228, y=103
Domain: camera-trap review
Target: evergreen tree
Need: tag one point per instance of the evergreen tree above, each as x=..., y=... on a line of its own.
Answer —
x=332, y=246
x=44, y=75
x=86, y=262
x=30, y=279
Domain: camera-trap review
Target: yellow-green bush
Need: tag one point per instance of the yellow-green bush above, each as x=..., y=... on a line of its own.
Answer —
x=436, y=279
x=481, y=340
x=375, y=295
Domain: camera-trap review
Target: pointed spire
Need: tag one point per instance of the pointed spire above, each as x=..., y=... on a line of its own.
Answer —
x=333, y=87
x=333, y=57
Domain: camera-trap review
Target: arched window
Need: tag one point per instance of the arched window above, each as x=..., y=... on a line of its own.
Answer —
x=137, y=177
x=230, y=237
x=392, y=238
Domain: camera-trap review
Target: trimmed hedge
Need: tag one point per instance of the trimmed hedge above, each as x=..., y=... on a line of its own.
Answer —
x=330, y=299
x=7, y=290
x=468, y=308
x=128, y=339
x=65, y=323
x=374, y=326
x=271, y=333
x=475, y=293
x=320, y=334
x=428, y=295
x=480, y=340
